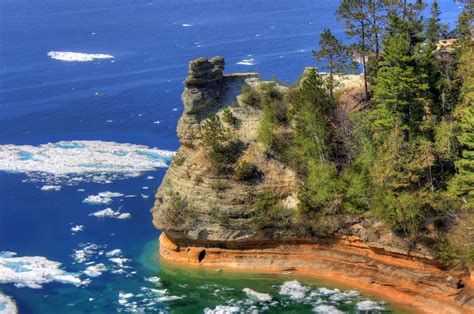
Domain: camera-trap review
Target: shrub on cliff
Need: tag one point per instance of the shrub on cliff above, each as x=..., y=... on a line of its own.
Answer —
x=221, y=150
x=228, y=117
x=268, y=213
x=245, y=171
x=250, y=96
x=178, y=211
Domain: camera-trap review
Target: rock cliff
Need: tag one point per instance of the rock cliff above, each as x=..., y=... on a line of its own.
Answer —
x=206, y=218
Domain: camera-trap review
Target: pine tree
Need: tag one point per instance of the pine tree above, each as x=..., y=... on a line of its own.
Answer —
x=335, y=56
x=400, y=86
x=355, y=15
x=433, y=29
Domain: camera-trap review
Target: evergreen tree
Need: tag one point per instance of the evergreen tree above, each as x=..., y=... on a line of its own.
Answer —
x=355, y=15
x=335, y=56
x=400, y=86
x=433, y=29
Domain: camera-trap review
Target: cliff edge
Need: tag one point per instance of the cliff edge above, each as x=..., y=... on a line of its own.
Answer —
x=212, y=218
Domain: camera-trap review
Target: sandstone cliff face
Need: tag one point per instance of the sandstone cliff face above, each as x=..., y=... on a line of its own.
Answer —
x=205, y=218
x=216, y=208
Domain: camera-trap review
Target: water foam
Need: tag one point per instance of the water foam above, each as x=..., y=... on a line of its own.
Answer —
x=70, y=56
x=73, y=162
x=33, y=271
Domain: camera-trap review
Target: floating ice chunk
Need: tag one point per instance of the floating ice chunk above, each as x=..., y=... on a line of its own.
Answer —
x=73, y=162
x=110, y=194
x=145, y=196
x=120, y=261
x=294, y=289
x=342, y=296
x=124, y=216
x=95, y=270
x=33, y=271
x=150, y=177
x=250, y=61
x=77, y=228
x=264, y=297
x=7, y=305
x=174, y=109
x=222, y=309
x=369, y=306
x=169, y=298
x=114, y=253
x=157, y=122
x=186, y=25
x=155, y=280
x=86, y=252
x=145, y=187
x=51, y=188
x=130, y=196
x=97, y=200
x=327, y=309
x=81, y=190
x=110, y=213
x=77, y=56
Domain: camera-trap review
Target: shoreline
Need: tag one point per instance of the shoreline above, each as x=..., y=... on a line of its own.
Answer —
x=277, y=261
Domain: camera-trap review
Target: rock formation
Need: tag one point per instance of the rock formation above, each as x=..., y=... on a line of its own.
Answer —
x=205, y=218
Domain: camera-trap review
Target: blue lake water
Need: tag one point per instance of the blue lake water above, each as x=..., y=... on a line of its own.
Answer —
x=132, y=98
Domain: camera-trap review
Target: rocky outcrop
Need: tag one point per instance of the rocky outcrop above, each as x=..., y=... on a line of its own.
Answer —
x=216, y=209
x=206, y=219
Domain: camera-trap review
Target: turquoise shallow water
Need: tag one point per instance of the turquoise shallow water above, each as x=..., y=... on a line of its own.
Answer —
x=132, y=98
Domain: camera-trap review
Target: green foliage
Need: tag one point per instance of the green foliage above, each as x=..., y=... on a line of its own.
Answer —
x=267, y=213
x=250, y=97
x=221, y=150
x=228, y=117
x=178, y=211
x=400, y=86
x=245, y=171
x=273, y=114
x=213, y=131
x=334, y=57
x=321, y=189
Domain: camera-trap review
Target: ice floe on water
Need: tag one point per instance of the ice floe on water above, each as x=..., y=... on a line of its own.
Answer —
x=294, y=289
x=51, y=188
x=95, y=270
x=7, y=305
x=97, y=200
x=74, y=162
x=101, y=198
x=70, y=56
x=222, y=309
x=250, y=61
x=186, y=25
x=34, y=271
x=369, y=305
x=327, y=309
x=110, y=213
x=77, y=228
x=147, y=301
x=263, y=297
x=98, y=260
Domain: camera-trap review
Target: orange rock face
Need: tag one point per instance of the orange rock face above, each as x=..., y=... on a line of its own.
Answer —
x=400, y=278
